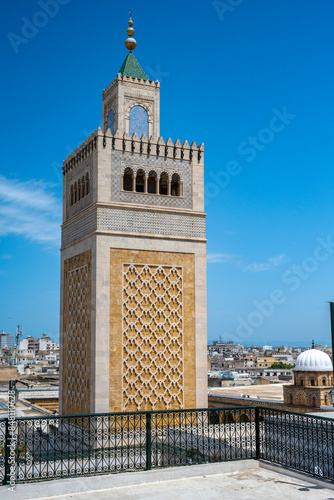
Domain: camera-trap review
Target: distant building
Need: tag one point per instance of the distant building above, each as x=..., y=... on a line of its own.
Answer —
x=265, y=361
x=6, y=340
x=33, y=344
x=46, y=343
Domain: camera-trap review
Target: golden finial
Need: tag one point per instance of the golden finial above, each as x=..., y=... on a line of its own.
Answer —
x=130, y=43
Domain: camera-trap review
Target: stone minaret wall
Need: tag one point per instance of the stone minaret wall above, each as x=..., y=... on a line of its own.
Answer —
x=142, y=343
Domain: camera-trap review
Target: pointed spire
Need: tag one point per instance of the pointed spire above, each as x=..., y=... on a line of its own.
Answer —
x=130, y=43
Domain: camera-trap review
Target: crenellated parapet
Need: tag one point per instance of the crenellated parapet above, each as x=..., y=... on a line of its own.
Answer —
x=81, y=153
x=129, y=79
x=156, y=147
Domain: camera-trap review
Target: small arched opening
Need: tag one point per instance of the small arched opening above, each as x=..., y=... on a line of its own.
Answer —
x=213, y=417
x=323, y=381
x=71, y=196
x=87, y=183
x=312, y=382
x=163, y=184
x=175, y=186
x=227, y=418
x=127, y=179
x=111, y=121
x=140, y=181
x=83, y=183
x=151, y=182
x=75, y=192
x=79, y=190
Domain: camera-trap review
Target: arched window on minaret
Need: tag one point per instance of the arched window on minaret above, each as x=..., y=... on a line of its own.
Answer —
x=163, y=183
x=111, y=121
x=75, y=192
x=71, y=196
x=152, y=183
x=138, y=121
x=175, y=187
x=83, y=186
x=79, y=190
x=127, y=179
x=140, y=180
x=87, y=184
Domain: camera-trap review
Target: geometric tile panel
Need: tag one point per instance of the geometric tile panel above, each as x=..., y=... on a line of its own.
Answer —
x=133, y=221
x=79, y=228
x=77, y=307
x=172, y=224
x=152, y=337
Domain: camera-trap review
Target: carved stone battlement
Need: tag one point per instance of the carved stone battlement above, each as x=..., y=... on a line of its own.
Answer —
x=143, y=146
x=129, y=79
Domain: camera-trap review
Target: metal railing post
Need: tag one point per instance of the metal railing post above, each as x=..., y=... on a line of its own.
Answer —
x=6, y=479
x=148, y=441
x=257, y=433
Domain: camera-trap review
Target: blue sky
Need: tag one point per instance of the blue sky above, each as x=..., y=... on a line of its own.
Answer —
x=253, y=80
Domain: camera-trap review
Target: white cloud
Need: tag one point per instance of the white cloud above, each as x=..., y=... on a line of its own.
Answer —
x=29, y=209
x=213, y=258
x=271, y=263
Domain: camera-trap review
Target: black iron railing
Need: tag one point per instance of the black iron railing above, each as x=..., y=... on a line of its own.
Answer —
x=65, y=446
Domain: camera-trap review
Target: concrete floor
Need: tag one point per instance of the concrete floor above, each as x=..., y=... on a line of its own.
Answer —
x=242, y=480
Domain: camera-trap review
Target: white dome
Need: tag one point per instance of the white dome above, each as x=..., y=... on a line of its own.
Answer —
x=314, y=360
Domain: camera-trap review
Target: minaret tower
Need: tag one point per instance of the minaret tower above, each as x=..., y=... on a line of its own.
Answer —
x=133, y=260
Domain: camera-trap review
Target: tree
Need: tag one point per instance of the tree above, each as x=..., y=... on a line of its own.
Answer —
x=281, y=365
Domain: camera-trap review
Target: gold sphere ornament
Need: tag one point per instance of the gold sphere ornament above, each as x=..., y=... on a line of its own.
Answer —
x=130, y=44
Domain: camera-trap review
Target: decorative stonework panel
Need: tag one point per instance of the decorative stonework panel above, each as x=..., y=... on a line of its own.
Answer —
x=152, y=330
x=152, y=337
x=76, y=334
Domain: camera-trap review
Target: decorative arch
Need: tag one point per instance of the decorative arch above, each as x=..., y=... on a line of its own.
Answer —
x=175, y=185
x=83, y=184
x=243, y=418
x=127, y=179
x=163, y=183
x=111, y=121
x=87, y=184
x=75, y=192
x=140, y=181
x=79, y=190
x=151, y=182
x=71, y=195
x=138, y=121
